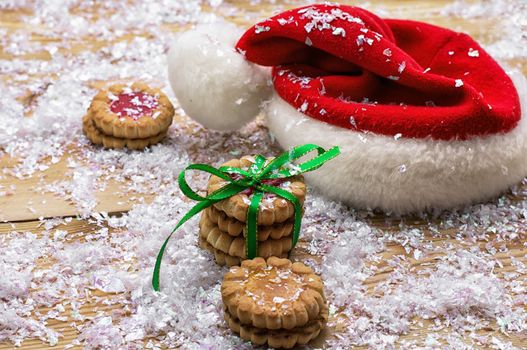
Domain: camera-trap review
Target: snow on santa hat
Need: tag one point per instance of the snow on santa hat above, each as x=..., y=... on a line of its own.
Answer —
x=425, y=118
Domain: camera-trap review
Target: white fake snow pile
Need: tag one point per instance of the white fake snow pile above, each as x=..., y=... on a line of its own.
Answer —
x=458, y=291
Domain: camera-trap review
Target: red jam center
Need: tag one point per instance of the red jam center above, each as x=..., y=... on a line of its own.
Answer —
x=133, y=105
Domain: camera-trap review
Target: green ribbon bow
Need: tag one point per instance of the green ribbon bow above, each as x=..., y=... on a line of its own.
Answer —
x=278, y=168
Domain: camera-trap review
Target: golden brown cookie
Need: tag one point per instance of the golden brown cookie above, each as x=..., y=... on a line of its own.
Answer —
x=235, y=246
x=273, y=294
x=273, y=209
x=278, y=338
x=236, y=228
x=134, y=111
x=220, y=257
x=97, y=137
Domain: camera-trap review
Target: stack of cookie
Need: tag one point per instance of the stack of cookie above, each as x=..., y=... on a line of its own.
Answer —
x=133, y=116
x=275, y=302
x=223, y=226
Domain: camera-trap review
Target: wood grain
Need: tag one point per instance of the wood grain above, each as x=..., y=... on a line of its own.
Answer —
x=25, y=201
x=78, y=228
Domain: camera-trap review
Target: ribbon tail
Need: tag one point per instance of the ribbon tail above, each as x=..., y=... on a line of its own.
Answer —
x=251, y=239
x=319, y=160
x=296, y=205
x=275, y=168
x=280, y=167
x=195, y=209
x=297, y=224
x=157, y=268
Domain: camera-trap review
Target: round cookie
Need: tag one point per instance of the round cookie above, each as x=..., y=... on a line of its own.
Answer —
x=236, y=228
x=273, y=294
x=273, y=209
x=220, y=257
x=279, y=338
x=235, y=246
x=134, y=111
x=99, y=138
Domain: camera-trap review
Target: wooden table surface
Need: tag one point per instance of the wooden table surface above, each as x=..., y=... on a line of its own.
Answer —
x=21, y=209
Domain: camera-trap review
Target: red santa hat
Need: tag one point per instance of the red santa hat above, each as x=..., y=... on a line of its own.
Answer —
x=424, y=116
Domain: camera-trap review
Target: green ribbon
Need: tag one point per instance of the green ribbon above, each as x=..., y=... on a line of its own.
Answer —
x=278, y=168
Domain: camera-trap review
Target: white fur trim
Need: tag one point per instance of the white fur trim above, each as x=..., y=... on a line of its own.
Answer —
x=437, y=174
x=213, y=83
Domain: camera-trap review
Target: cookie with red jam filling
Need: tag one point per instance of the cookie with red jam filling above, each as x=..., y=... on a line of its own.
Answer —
x=133, y=115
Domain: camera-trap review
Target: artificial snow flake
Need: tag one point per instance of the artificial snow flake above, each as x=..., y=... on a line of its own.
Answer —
x=473, y=53
x=511, y=45
x=401, y=67
x=352, y=122
x=241, y=52
x=460, y=293
x=362, y=138
x=260, y=29
x=360, y=40
x=283, y=21
x=387, y=52
x=339, y=31
x=431, y=341
x=459, y=83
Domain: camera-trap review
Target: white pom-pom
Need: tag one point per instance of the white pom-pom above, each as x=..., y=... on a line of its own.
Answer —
x=214, y=83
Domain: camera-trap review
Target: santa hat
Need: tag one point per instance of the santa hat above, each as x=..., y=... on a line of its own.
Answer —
x=425, y=118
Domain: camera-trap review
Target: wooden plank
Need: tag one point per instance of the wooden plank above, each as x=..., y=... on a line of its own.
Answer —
x=78, y=228
x=28, y=199
x=25, y=202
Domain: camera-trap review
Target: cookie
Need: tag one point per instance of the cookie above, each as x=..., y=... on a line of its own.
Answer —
x=99, y=138
x=236, y=228
x=273, y=209
x=220, y=257
x=279, y=338
x=273, y=294
x=134, y=111
x=235, y=246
